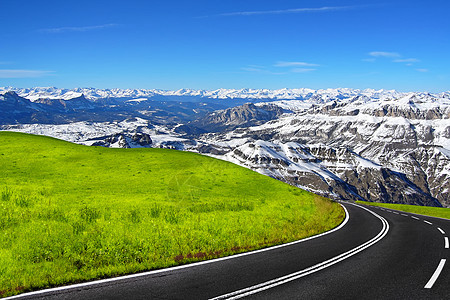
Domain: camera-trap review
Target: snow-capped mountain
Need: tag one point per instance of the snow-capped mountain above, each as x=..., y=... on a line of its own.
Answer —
x=385, y=150
x=250, y=94
x=353, y=144
x=16, y=109
x=130, y=133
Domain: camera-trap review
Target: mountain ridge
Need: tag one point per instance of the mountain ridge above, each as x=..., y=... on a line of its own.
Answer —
x=392, y=147
x=278, y=94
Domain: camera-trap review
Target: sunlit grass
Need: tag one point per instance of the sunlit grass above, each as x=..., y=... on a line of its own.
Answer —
x=439, y=212
x=71, y=213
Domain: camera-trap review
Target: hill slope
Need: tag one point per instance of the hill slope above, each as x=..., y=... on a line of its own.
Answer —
x=71, y=213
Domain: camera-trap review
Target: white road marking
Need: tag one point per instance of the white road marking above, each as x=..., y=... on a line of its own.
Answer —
x=442, y=231
x=415, y=218
x=446, y=242
x=436, y=274
x=404, y=215
x=296, y=275
x=395, y=212
x=90, y=283
x=428, y=222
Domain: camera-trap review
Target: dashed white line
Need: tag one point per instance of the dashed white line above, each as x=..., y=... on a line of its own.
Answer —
x=442, y=231
x=416, y=218
x=435, y=275
x=405, y=215
x=446, y=242
x=395, y=212
x=429, y=223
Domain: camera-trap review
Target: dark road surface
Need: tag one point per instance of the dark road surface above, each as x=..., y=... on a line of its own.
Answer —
x=381, y=255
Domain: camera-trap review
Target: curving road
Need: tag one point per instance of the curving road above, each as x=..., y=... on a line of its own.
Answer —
x=376, y=254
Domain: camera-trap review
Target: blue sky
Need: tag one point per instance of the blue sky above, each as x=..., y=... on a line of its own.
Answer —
x=210, y=44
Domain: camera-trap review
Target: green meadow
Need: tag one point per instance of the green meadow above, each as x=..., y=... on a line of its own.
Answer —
x=440, y=212
x=71, y=213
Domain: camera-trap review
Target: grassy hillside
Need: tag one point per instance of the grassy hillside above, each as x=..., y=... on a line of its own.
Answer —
x=70, y=213
x=439, y=212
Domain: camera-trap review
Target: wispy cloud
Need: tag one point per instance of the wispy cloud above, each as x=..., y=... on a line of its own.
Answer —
x=302, y=70
x=286, y=66
x=384, y=54
x=395, y=58
x=294, y=64
x=406, y=60
x=77, y=28
x=288, y=11
x=261, y=70
x=297, y=66
x=24, y=73
x=252, y=69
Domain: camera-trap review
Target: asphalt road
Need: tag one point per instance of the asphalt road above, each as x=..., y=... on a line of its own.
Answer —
x=380, y=255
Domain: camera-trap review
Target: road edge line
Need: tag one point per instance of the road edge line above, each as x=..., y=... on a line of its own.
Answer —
x=315, y=268
x=435, y=275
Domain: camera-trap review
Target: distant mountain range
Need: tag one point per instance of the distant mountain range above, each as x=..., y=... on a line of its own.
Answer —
x=377, y=145
x=251, y=94
x=16, y=109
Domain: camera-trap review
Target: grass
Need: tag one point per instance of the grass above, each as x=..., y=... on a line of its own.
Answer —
x=72, y=213
x=439, y=212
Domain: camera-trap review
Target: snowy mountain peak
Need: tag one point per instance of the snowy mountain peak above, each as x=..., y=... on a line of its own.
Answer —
x=250, y=94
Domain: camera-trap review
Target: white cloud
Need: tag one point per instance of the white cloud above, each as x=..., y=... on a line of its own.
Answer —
x=24, y=73
x=289, y=11
x=257, y=66
x=294, y=64
x=422, y=70
x=77, y=29
x=302, y=70
x=384, y=54
x=252, y=69
x=396, y=58
x=406, y=60
x=261, y=70
x=293, y=67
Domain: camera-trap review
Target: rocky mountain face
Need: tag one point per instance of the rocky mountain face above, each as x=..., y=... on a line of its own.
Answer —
x=381, y=146
x=388, y=151
x=240, y=116
x=123, y=140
